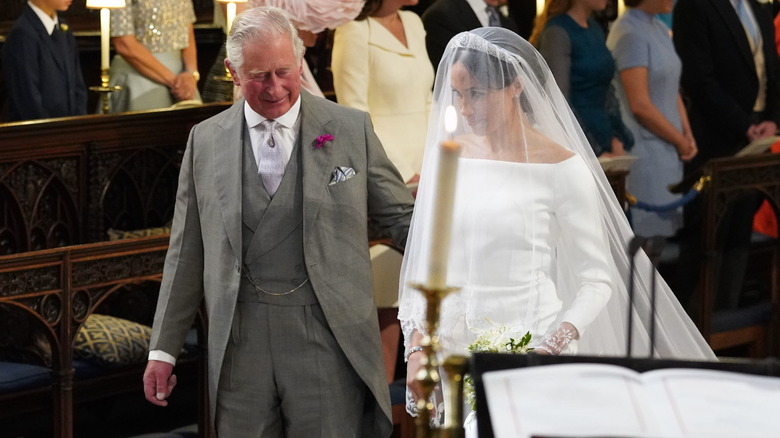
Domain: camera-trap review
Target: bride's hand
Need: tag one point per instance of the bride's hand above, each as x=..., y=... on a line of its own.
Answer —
x=556, y=342
x=413, y=366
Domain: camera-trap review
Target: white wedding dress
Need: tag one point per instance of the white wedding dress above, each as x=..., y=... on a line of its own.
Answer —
x=538, y=240
x=506, y=276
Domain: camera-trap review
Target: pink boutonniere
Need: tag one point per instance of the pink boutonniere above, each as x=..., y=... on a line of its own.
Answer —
x=321, y=140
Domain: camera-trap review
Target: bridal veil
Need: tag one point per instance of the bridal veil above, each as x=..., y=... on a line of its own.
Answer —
x=512, y=88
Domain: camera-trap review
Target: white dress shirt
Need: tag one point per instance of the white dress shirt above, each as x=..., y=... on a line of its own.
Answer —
x=48, y=22
x=479, y=7
x=287, y=127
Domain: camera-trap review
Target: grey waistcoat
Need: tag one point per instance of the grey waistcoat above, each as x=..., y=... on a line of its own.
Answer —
x=272, y=235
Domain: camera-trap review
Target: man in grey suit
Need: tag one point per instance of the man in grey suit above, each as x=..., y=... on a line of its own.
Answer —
x=293, y=338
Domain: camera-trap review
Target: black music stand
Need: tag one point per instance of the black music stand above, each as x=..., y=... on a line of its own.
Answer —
x=485, y=362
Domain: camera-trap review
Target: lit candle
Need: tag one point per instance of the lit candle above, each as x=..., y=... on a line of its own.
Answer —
x=231, y=14
x=445, y=197
x=104, y=37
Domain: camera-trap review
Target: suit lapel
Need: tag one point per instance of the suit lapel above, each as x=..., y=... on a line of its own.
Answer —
x=226, y=147
x=765, y=28
x=734, y=25
x=379, y=36
x=317, y=164
x=47, y=41
x=466, y=15
x=507, y=22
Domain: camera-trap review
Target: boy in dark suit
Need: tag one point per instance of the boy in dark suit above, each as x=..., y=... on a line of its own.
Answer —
x=41, y=63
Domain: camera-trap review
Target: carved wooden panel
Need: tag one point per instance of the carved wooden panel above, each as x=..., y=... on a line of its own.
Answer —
x=67, y=181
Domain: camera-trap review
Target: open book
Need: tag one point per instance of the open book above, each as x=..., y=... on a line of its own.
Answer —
x=758, y=147
x=597, y=400
x=617, y=162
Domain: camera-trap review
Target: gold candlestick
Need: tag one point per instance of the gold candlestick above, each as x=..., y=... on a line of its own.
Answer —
x=429, y=377
x=455, y=366
x=104, y=89
x=230, y=15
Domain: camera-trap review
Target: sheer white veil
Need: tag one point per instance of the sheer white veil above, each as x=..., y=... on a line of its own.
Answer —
x=536, y=105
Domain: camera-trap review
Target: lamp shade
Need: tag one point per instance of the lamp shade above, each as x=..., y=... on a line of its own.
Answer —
x=97, y=4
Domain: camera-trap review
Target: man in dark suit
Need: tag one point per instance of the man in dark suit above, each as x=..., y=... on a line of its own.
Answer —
x=280, y=252
x=730, y=79
x=41, y=65
x=446, y=18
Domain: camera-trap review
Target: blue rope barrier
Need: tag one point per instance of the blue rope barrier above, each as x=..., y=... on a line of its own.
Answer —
x=688, y=197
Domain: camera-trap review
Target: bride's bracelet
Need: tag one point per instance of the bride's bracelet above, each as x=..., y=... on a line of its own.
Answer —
x=413, y=350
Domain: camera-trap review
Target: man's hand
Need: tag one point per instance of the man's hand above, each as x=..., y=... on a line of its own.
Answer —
x=761, y=130
x=159, y=381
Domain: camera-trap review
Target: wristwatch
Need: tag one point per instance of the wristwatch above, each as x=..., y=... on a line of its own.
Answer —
x=196, y=75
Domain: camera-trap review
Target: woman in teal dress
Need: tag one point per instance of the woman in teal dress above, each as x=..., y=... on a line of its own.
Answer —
x=574, y=47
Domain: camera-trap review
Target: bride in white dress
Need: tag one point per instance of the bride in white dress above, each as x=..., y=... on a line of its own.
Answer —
x=539, y=241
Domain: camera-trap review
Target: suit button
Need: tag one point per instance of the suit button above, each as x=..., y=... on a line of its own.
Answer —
x=298, y=268
x=238, y=269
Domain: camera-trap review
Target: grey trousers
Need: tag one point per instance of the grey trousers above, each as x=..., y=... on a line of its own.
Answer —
x=284, y=375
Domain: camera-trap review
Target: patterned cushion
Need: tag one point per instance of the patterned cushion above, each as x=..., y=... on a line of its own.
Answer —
x=114, y=234
x=112, y=342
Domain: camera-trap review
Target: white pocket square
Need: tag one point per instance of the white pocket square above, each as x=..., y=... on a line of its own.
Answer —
x=341, y=174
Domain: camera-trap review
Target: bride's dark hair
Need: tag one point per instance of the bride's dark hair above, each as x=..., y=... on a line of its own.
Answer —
x=491, y=71
x=497, y=70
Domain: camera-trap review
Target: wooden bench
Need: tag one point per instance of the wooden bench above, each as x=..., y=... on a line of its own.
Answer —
x=755, y=325
x=45, y=296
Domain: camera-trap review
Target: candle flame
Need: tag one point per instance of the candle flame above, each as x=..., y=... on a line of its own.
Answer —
x=450, y=119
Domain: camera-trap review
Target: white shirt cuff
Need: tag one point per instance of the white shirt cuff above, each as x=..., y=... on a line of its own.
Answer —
x=162, y=356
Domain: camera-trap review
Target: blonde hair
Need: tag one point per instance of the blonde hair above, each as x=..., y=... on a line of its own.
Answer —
x=551, y=9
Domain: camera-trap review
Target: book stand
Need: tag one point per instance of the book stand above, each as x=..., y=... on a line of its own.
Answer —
x=485, y=362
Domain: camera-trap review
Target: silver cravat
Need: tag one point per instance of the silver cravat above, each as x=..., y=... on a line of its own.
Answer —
x=271, y=166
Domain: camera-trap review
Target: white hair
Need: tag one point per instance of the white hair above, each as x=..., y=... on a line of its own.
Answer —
x=264, y=22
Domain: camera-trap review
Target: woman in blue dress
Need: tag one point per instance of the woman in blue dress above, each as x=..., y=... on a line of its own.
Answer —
x=573, y=45
x=648, y=90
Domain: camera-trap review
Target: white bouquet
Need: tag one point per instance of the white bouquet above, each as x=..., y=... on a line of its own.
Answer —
x=495, y=340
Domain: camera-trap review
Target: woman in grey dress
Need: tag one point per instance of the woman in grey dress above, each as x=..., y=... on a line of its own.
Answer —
x=156, y=63
x=648, y=89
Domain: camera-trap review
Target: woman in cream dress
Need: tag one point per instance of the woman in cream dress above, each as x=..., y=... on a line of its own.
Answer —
x=380, y=65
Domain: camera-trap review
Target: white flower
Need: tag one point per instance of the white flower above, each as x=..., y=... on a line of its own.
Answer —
x=499, y=339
